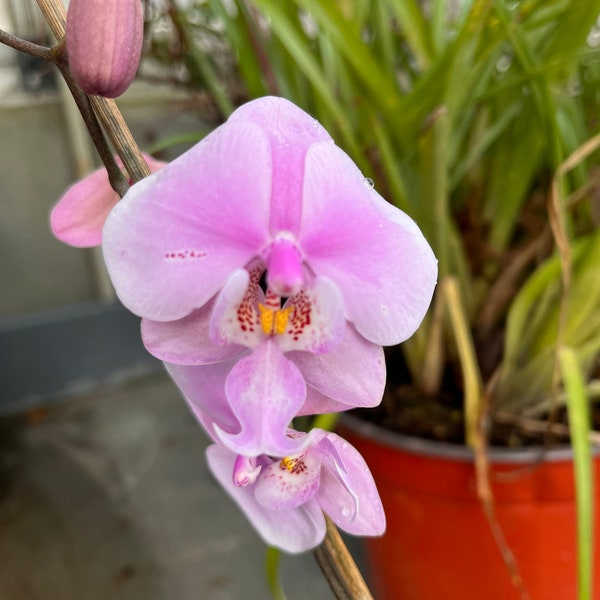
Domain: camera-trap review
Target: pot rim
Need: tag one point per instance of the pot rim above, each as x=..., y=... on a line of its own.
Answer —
x=449, y=451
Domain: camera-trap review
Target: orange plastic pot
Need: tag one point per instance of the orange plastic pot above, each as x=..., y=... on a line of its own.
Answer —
x=439, y=544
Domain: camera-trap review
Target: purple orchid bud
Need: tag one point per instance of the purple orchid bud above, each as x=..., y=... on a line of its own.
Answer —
x=104, y=44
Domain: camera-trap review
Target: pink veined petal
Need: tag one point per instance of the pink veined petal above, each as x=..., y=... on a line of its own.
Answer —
x=186, y=341
x=234, y=324
x=78, y=217
x=377, y=256
x=289, y=482
x=265, y=392
x=176, y=236
x=317, y=321
x=347, y=492
x=291, y=132
x=203, y=387
x=294, y=530
x=352, y=374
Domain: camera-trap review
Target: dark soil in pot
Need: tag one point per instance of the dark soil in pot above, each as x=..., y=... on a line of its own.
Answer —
x=441, y=418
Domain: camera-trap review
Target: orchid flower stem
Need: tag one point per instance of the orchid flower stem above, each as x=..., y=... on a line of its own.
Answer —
x=121, y=137
x=57, y=56
x=115, y=176
x=339, y=568
x=24, y=46
x=106, y=110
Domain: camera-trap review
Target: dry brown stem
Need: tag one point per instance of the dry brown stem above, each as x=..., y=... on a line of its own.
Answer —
x=339, y=568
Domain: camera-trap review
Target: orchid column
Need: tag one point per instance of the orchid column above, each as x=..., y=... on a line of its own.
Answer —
x=268, y=274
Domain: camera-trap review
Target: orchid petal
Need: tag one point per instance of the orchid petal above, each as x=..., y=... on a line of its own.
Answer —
x=204, y=389
x=186, y=341
x=382, y=264
x=289, y=482
x=234, y=319
x=176, y=236
x=361, y=385
x=295, y=530
x=347, y=492
x=318, y=403
x=78, y=217
x=317, y=321
x=265, y=392
x=291, y=132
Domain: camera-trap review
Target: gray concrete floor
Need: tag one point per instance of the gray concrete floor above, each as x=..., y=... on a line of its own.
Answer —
x=107, y=496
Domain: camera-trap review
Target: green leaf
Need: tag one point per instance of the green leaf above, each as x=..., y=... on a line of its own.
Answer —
x=272, y=562
x=299, y=48
x=200, y=65
x=346, y=37
x=579, y=424
x=239, y=34
x=415, y=28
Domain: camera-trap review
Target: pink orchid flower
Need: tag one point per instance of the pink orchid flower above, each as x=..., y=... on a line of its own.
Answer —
x=269, y=186
x=285, y=498
x=264, y=236
x=78, y=217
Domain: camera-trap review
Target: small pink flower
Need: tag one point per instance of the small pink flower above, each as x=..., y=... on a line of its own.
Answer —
x=78, y=217
x=104, y=44
x=284, y=490
x=284, y=498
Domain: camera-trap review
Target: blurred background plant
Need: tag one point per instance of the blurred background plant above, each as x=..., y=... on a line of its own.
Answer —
x=462, y=112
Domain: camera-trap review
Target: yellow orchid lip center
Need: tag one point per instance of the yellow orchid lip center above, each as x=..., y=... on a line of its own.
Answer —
x=292, y=464
x=274, y=321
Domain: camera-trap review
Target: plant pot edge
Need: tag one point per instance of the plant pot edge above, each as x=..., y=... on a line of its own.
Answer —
x=446, y=450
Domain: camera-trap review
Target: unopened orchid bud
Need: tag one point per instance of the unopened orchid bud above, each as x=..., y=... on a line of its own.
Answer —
x=104, y=44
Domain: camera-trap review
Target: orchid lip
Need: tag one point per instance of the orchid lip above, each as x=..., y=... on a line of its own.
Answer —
x=244, y=314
